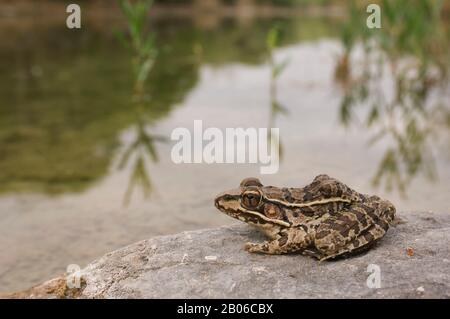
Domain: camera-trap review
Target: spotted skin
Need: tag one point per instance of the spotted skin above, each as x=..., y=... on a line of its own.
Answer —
x=325, y=219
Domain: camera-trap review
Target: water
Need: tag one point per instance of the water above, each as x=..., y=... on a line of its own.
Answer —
x=67, y=121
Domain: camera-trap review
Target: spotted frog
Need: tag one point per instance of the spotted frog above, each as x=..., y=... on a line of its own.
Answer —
x=325, y=219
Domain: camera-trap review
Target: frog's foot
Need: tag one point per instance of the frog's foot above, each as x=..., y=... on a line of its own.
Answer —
x=288, y=241
x=269, y=247
x=253, y=247
x=312, y=253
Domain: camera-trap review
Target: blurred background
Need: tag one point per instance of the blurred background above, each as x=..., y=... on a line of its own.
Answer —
x=86, y=114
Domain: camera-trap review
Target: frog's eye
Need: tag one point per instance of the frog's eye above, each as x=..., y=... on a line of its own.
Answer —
x=251, y=199
x=250, y=181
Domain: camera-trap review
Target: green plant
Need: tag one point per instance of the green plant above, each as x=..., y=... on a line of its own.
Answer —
x=140, y=41
x=411, y=48
x=141, y=44
x=277, y=68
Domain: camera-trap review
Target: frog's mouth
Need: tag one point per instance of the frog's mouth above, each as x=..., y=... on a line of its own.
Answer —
x=229, y=204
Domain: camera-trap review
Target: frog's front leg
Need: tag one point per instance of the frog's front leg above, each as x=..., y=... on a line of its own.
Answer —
x=287, y=241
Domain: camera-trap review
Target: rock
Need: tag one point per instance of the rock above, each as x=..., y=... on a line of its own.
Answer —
x=211, y=263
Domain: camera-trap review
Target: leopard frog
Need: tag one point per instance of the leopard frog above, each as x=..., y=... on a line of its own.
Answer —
x=324, y=219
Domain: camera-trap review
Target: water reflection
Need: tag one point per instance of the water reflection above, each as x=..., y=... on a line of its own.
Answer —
x=59, y=134
x=65, y=104
x=141, y=44
x=69, y=100
x=411, y=51
x=140, y=151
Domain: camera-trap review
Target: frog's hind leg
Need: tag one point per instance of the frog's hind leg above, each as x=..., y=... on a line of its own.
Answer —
x=355, y=229
x=361, y=243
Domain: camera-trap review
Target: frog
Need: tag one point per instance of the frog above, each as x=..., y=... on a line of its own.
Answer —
x=326, y=219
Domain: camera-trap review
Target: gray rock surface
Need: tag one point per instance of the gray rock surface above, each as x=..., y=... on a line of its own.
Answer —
x=414, y=261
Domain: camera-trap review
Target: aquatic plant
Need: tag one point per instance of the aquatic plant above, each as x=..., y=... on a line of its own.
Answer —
x=276, y=69
x=412, y=49
x=139, y=40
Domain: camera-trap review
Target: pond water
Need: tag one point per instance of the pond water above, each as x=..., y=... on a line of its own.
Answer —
x=69, y=192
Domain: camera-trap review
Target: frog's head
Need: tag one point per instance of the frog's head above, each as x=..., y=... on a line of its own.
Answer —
x=247, y=203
